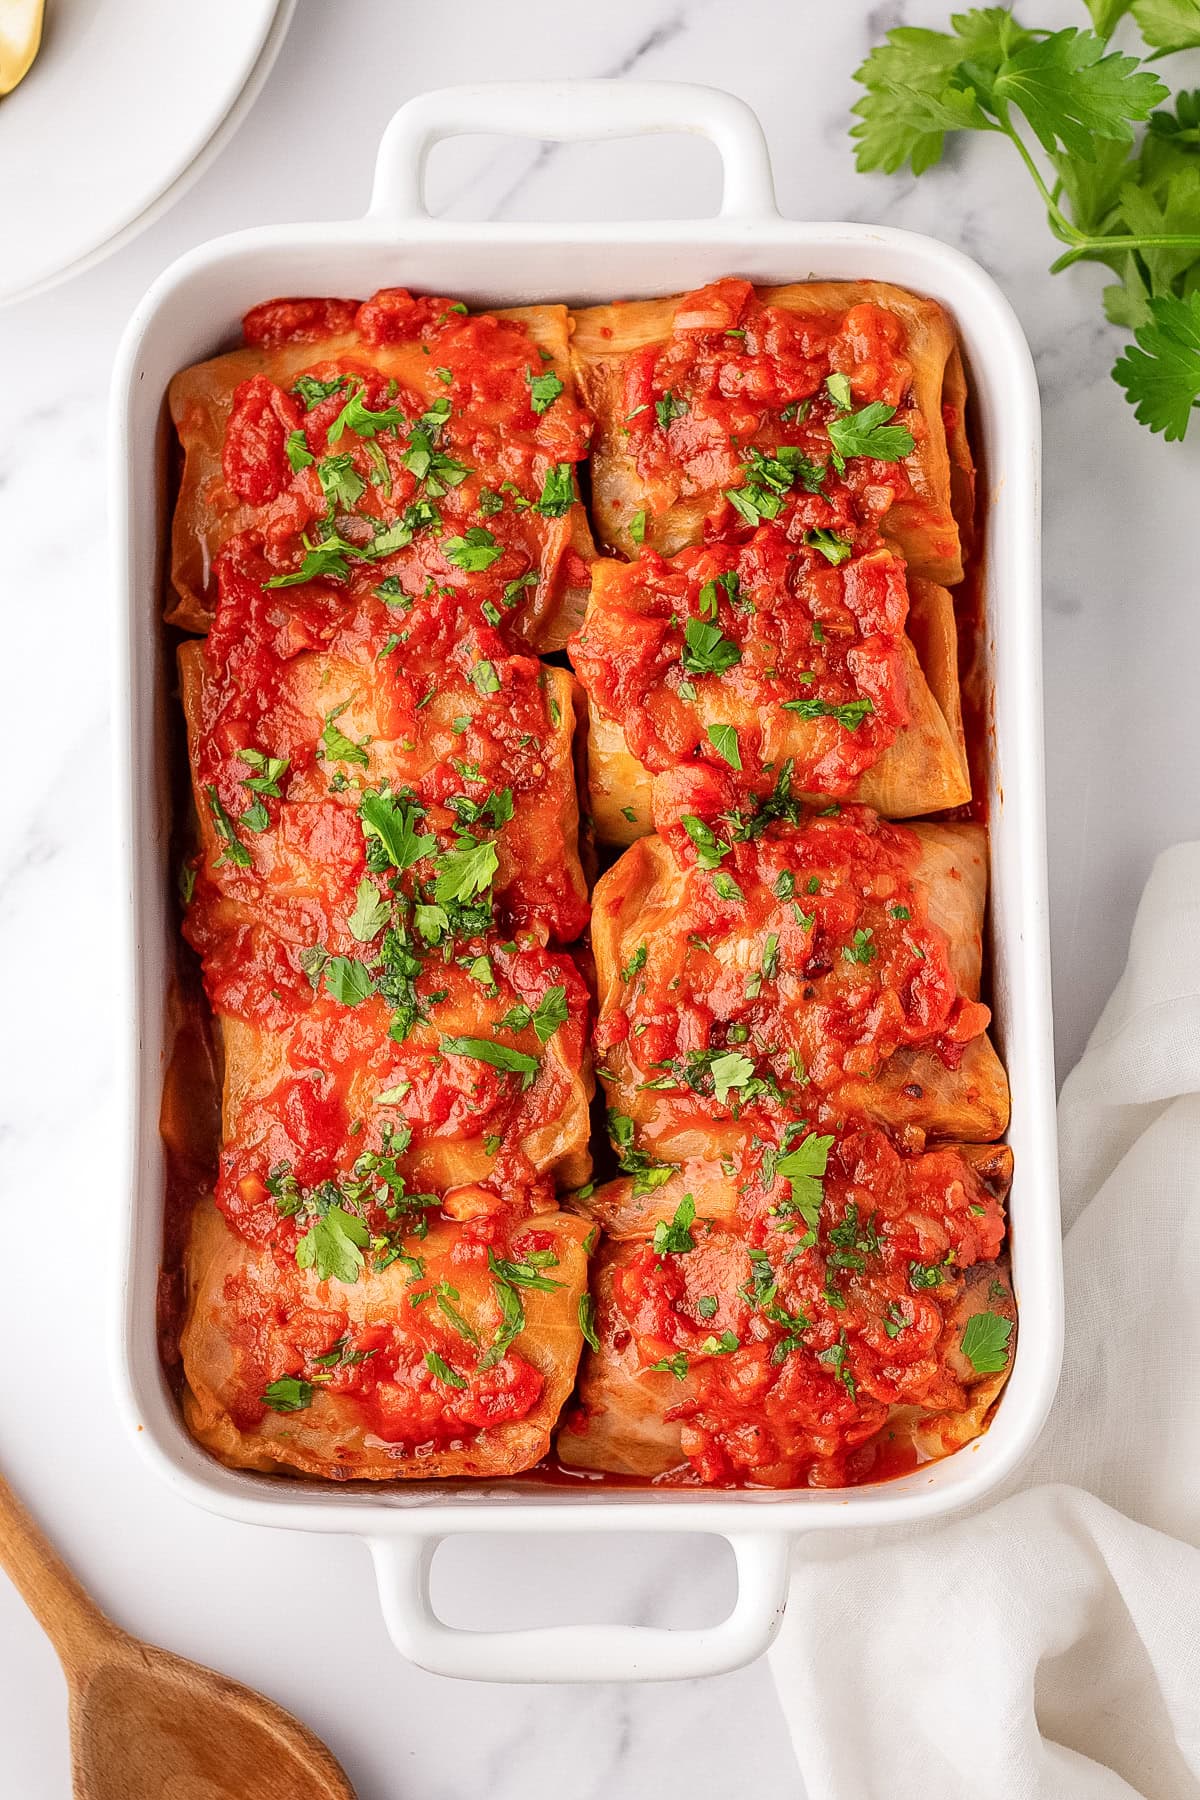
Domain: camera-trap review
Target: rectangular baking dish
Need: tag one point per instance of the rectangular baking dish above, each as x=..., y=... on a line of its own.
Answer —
x=193, y=311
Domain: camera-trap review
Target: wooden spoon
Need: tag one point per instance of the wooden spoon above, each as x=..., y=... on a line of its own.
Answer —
x=146, y=1725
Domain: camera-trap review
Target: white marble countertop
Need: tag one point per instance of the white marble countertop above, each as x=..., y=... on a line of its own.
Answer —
x=299, y=1617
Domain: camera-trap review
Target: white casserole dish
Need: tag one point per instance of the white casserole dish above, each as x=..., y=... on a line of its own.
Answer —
x=194, y=310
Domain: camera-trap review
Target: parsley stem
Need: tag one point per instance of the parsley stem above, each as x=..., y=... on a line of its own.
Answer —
x=1061, y=222
x=1086, y=246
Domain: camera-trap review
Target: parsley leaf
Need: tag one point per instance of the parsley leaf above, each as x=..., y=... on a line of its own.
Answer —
x=804, y=1169
x=336, y=746
x=724, y=740
x=1072, y=93
x=848, y=713
x=233, y=850
x=298, y=453
x=587, y=1321
x=550, y=1013
x=675, y=1238
x=348, y=980
x=1166, y=25
x=1160, y=371
x=371, y=912
x=707, y=651
x=710, y=851
x=476, y=550
x=393, y=825
x=558, y=492
x=833, y=547
x=497, y=1056
x=867, y=433
x=1136, y=210
x=288, y=1394
x=543, y=389
x=357, y=417
x=733, y=1070
x=985, y=1342
x=333, y=1245
x=438, y=1366
x=465, y=872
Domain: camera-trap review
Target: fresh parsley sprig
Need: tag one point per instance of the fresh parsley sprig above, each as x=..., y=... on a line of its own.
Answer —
x=1070, y=107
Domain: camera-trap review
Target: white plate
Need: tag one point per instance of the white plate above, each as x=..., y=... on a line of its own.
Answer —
x=110, y=123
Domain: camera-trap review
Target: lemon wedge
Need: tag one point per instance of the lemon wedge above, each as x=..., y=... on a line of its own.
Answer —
x=20, y=39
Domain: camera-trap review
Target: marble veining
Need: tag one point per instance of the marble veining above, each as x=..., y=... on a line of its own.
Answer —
x=300, y=1617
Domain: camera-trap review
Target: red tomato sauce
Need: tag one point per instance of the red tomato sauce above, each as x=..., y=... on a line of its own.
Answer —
x=358, y=477
x=855, y=972
x=737, y=374
x=790, y=1346
x=802, y=655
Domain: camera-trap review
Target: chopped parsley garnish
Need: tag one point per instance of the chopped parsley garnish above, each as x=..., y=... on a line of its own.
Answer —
x=341, y=483
x=707, y=651
x=558, y=492
x=483, y=677
x=371, y=912
x=356, y=416
x=669, y=408
x=804, y=1170
x=544, y=389
x=676, y=1365
x=333, y=1245
x=647, y=1173
x=726, y=887
x=392, y=825
x=675, y=1238
x=312, y=391
x=710, y=850
x=233, y=850
x=724, y=740
x=769, y=479
x=833, y=546
x=464, y=872
x=476, y=550
x=497, y=1056
x=637, y=527
x=289, y=1394
x=636, y=963
x=438, y=1366
x=298, y=453
x=587, y=1320
x=836, y=1358
x=348, y=980
x=985, y=1342
x=867, y=433
x=528, y=1273
x=269, y=769
x=336, y=746
x=861, y=950
x=724, y=1345
x=849, y=713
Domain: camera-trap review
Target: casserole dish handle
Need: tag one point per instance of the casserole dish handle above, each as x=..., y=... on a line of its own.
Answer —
x=582, y=1652
x=565, y=110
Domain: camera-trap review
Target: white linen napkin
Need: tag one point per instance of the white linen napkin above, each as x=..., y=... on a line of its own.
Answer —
x=1047, y=1645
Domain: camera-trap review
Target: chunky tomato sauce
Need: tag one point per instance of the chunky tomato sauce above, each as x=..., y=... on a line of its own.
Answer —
x=412, y=1377
x=458, y=478
x=787, y=1347
x=768, y=638
x=801, y=948
x=736, y=374
x=388, y=869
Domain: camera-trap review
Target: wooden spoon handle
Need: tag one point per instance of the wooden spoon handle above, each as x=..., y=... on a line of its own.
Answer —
x=71, y=1620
